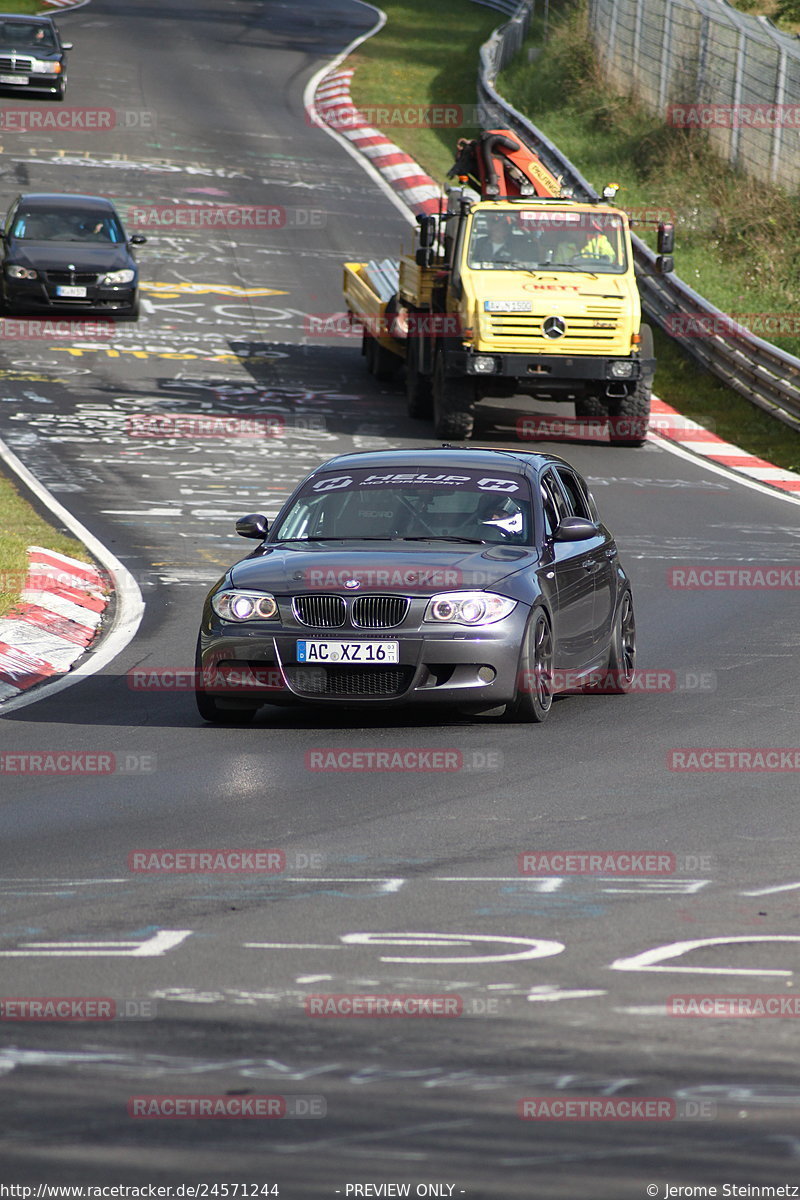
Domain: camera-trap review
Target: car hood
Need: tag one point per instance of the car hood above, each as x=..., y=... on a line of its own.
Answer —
x=57, y=256
x=409, y=568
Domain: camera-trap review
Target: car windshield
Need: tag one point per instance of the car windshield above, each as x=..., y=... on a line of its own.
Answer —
x=415, y=503
x=66, y=225
x=536, y=239
x=20, y=35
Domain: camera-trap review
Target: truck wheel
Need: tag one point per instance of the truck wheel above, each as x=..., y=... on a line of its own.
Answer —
x=418, y=386
x=629, y=418
x=453, y=401
x=381, y=363
x=591, y=406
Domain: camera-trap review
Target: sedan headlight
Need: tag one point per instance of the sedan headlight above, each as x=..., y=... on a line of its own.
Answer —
x=235, y=605
x=125, y=276
x=41, y=67
x=21, y=273
x=468, y=608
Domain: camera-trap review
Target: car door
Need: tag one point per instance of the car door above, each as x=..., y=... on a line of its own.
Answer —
x=602, y=560
x=573, y=566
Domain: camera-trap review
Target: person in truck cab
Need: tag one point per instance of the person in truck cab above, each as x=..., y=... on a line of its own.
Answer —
x=493, y=246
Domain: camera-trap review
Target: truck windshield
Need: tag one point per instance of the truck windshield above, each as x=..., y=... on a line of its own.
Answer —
x=537, y=239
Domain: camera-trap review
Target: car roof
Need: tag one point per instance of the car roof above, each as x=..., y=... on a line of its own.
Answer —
x=475, y=457
x=23, y=19
x=63, y=200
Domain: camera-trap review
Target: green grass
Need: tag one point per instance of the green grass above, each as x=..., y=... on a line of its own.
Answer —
x=20, y=527
x=737, y=240
x=426, y=54
x=28, y=6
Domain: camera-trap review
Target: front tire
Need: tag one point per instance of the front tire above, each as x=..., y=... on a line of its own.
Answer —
x=453, y=416
x=534, y=697
x=622, y=652
x=629, y=418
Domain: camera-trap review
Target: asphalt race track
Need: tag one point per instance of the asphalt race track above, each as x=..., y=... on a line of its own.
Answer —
x=396, y=881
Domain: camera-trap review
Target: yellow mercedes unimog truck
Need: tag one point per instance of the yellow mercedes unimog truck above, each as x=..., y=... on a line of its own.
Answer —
x=514, y=290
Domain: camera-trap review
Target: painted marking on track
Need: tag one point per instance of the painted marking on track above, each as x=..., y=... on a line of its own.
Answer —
x=548, y=992
x=173, y=290
x=532, y=947
x=152, y=947
x=768, y=891
x=646, y=960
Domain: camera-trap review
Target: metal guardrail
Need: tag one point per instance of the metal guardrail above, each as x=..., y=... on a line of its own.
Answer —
x=762, y=373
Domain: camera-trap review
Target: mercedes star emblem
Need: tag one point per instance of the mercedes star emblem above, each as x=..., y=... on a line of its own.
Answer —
x=554, y=327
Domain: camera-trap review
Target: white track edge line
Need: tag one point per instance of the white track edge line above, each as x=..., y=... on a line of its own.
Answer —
x=731, y=473
x=129, y=602
x=310, y=107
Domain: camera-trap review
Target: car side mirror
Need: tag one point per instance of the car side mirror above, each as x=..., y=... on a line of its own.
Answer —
x=253, y=526
x=137, y=239
x=574, y=529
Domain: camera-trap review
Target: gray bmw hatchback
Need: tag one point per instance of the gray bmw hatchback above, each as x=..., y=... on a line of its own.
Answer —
x=476, y=578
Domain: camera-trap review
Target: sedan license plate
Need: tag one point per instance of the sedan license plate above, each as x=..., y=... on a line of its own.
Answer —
x=78, y=293
x=14, y=79
x=347, y=652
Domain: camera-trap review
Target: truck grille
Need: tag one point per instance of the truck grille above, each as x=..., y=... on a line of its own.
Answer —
x=598, y=327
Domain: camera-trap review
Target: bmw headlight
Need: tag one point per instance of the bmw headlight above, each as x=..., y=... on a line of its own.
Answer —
x=125, y=276
x=41, y=67
x=20, y=273
x=468, y=608
x=235, y=605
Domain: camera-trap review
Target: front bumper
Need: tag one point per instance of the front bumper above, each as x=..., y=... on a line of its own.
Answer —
x=40, y=295
x=547, y=368
x=435, y=667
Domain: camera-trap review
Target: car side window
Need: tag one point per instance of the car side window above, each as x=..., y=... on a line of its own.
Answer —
x=554, y=503
x=575, y=494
